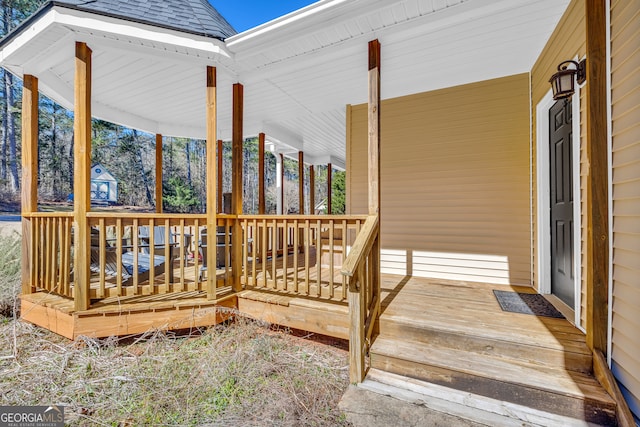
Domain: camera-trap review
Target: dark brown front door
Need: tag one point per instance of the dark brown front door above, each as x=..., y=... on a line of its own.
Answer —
x=562, y=250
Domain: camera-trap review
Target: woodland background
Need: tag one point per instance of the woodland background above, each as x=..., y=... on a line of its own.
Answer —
x=129, y=155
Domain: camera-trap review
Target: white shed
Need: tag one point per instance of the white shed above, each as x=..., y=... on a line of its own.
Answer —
x=104, y=187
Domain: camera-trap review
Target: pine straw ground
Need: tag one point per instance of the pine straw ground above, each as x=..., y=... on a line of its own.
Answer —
x=241, y=373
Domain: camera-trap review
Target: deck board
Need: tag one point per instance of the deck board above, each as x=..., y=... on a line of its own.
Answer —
x=472, y=308
x=455, y=334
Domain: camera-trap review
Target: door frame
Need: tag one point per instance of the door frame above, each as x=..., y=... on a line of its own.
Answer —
x=543, y=203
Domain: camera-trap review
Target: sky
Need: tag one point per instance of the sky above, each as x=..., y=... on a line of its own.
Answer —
x=246, y=14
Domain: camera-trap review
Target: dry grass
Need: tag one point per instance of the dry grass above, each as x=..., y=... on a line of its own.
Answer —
x=10, y=247
x=241, y=373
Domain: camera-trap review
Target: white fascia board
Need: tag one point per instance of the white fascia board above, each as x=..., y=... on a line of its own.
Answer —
x=332, y=12
x=133, y=30
x=263, y=31
x=75, y=20
x=26, y=36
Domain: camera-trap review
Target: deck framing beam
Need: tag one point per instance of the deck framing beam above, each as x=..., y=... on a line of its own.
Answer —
x=597, y=292
x=212, y=126
x=236, y=181
x=82, y=174
x=29, y=174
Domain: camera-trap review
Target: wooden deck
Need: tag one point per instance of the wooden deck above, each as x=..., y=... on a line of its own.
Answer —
x=444, y=332
x=455, y=334
x=126, y=315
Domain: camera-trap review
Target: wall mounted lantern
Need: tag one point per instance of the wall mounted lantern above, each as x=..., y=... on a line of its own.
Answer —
x=562, y=82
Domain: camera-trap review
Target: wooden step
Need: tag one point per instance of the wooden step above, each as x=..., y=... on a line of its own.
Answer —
x=570, y=355
x=469, y=406
x=567, y=393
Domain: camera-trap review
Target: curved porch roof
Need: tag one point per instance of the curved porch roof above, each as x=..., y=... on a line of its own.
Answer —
x=298, y=71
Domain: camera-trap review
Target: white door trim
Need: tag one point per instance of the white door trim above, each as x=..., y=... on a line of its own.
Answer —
x=543, y=203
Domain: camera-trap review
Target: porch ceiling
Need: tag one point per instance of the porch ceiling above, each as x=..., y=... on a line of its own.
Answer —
x=299, y=71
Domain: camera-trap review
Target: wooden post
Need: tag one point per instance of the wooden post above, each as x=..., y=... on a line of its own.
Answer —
x=597, y=179
x=158, y=173
x=329, y=185
x=29, y=175
x=261, y=192
x=219, y=177
x=282, y=200
x=374, y=127
x=236, y=181
x=374, y=166
x=300, y=182
x=82, y=175
x=312, y=191
x=355, y=299
x=212, y=175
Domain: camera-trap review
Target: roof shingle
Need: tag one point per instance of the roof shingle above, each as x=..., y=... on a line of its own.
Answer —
x=193, y=16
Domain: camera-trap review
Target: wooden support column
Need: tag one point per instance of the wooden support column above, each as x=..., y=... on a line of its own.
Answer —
x=281, y=176
x=158, y=173
x=300, y=182
x=261, y=192
x=374, y=165
x=29, y=174
x=219, y=176
x=312, y=191
x=212, y=175
x=236, y=181
x=597, y=178
x=374, y=127
x=82, y=175
x=329, y=185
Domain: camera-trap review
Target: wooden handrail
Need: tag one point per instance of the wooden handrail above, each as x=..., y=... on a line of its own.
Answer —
x=304, y=217
x=146, y=215
x=47, y=214
x=361, y=247
x=361, y=269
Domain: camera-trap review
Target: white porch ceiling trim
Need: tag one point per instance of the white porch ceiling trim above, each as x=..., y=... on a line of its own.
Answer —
x=299, y=71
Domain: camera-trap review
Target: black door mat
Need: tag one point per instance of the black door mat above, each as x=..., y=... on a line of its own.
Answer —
x=518, y=302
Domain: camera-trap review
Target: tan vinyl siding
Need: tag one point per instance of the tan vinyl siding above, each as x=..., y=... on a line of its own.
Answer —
x=625, y=112
x=454, y=181
x=568, y=41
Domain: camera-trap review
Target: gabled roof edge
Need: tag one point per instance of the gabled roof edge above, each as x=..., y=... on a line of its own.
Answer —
x=51, y=4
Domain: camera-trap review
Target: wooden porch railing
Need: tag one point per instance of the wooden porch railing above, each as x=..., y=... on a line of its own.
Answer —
x=297, y=254
x=51, y=255
x=362, y=271
x=155, y=253
x=152, y=253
